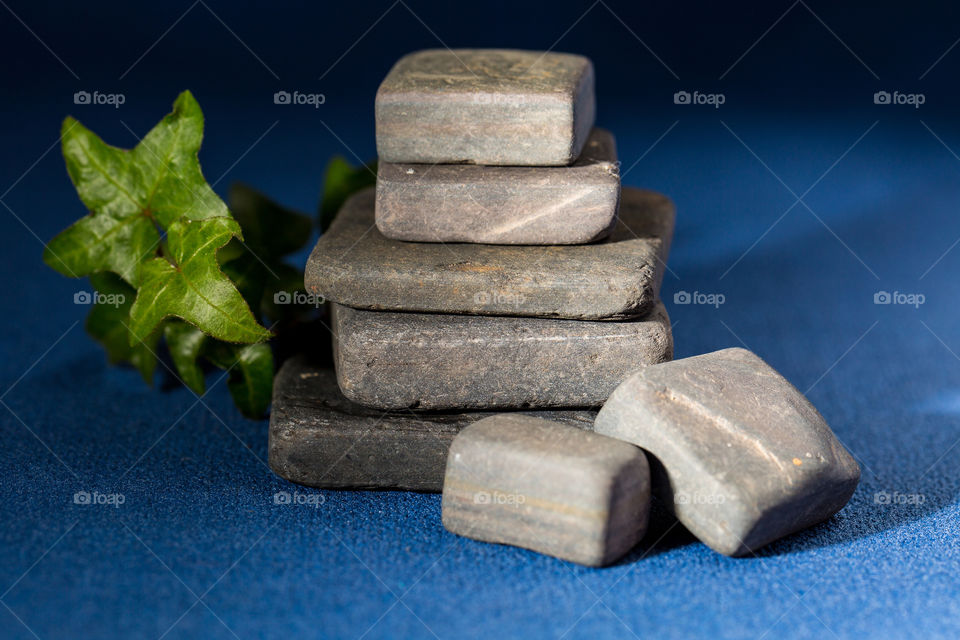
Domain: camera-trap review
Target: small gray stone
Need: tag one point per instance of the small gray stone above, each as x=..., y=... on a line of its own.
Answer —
x=355, y=265
x=485, y=106
x=502, y=205
x=391, y=360
x=547, y=487
x=320, y=439
x=736, y=451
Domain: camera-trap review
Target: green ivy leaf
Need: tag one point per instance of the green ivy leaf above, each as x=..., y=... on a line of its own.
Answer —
x=270, y=230
x=130, y=193
x=185, y=343
x=191, y=286
x=249, y=275
x=108, y=324
x=153, y=244
x=251, y=374
x=341, y=181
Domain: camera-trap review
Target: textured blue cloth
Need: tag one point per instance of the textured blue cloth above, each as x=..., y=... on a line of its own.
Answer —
x=199, y=549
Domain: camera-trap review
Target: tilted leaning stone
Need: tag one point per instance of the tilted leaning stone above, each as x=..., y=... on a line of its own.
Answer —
x=485, y=106
x=735, y=450
x=320, y=439
x=548, y=487
x=502, y=205
x=391, y=360
x=355, y=265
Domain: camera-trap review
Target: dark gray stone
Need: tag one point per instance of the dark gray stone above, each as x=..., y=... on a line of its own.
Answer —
x=736, y=451
x=547, y=487
x=502, y=205
x=320, y=439
x=355, y=265
x=391, y=360
x=485, y=106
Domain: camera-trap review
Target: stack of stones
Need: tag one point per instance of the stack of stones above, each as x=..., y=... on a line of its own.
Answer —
x=487, y=270
x=493, y=291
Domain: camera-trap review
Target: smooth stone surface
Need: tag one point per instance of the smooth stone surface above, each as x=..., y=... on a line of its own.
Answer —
x=739, y=454
x=547, y=487
x=355, y=265
x=485, y=106
x=320, y=439
x=502, y=205
x=432, y=361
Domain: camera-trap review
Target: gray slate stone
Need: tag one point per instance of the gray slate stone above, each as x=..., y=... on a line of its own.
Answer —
x=548, y=487
x=320, y=439
x=391, y=360
x=355, y=265
x=485, y=106
x=736, y=451
x=502, y=205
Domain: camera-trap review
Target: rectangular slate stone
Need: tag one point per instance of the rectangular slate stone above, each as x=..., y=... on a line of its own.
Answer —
x=320, y=439
x=391, y=360
x=485, y=106
x=736, y=451
x=355, y=265
x=502, y=205
x=547, y=487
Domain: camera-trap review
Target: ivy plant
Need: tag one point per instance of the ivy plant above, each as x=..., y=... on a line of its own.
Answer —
x=174, y=267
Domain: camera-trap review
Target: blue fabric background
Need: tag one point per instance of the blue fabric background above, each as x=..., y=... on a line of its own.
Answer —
x=198, y=549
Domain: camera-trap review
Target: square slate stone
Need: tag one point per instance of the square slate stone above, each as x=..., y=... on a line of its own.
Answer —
x=485, y=106
x=547, y=487
x=735, y=450
x=502, y=205
x=320, y=439
x=355, y=265
x=391, y=360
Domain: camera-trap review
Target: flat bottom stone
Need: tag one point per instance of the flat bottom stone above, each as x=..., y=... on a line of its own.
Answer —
x=389, y=360
x=319, y=438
